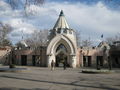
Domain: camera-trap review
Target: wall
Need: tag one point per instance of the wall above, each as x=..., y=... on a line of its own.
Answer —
x=30, y=52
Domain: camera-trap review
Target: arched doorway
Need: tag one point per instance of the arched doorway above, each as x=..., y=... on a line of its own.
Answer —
x=58, y=46
x=61, y=55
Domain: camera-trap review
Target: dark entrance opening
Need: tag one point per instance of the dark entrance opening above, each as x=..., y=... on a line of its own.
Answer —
x=60, y=59
x=61, y=56
x=116, y=62
x=84, y=61
x=115, y=55
x=36, y=60
x=99, y=61
x=23, y=59
x=87, y=61
x=13, y=59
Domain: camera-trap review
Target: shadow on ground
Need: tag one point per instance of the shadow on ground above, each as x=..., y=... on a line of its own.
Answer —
x=53, y=82
x=12, y=88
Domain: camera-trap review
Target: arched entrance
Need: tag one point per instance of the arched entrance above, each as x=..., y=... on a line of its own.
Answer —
x=61, y=48
x=61, y=56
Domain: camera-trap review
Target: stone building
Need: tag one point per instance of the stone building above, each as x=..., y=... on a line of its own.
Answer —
x=31, y=56
x=93, y=56
x=62, y=47
x=62, y=43
x=115, y=54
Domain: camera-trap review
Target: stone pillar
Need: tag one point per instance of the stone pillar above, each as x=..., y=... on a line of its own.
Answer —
x=48, y=61
x=73, y=61
x=81, y=60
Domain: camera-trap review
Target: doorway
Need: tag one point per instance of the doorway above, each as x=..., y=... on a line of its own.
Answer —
x=116, y=62
x=100, y=60
x=35, y=60
x=60, y=59
x=23, y=59
x=61, y=56
x=87, y=61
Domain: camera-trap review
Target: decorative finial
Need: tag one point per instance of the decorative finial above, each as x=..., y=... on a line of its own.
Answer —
x=61, y=13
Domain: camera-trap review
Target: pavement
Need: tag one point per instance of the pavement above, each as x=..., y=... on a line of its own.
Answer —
x=38, y=78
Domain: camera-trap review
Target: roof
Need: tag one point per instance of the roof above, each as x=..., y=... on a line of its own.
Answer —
x=61, y=22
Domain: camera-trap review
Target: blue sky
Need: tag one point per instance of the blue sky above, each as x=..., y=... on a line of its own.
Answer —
x=91, y=17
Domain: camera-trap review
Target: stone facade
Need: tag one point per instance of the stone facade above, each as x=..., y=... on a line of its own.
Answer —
x=62, y=43
x=88, y=56
x=115, y=54
x=61, y=47
x=31, y=56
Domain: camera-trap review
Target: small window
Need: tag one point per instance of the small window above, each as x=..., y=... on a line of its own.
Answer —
x=65, y=31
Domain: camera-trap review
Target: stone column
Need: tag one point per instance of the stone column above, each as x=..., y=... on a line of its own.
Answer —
x=48, y=61
x=81, y=59
x=73, y=61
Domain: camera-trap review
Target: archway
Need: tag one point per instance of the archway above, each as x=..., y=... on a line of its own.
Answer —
x=54, y=51
x=61, y=55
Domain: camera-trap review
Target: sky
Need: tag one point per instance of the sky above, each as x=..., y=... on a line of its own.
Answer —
x=91, y=18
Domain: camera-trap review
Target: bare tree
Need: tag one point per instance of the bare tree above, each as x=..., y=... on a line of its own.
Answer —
x=20, y=45
x=28, y=3
x=5, y=29
x=110, y=40
x=38, y=38
x=87, y=43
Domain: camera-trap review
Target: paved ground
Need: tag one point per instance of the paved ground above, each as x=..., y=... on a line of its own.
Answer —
x=71, y=79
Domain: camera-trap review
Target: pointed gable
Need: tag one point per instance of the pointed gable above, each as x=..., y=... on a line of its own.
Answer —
x=61, y=22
